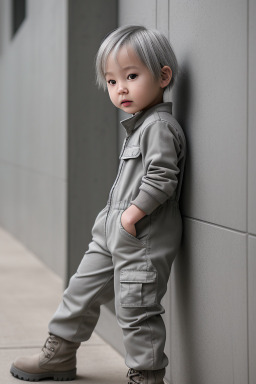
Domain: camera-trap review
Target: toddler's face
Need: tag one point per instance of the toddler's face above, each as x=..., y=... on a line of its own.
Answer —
x=131, y=85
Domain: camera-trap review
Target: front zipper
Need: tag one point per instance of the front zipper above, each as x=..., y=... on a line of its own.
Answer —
x=116, y=180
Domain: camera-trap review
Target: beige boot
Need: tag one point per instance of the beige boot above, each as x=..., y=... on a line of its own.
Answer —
x=146, y=377
x=56, y=361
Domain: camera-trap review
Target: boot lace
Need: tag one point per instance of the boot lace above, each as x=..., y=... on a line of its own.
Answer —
x=49, y=346
x=135, y=377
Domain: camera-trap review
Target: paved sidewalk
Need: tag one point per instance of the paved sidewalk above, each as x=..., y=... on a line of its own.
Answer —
x=29, y=295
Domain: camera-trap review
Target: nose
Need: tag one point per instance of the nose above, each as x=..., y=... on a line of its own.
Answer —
x=122, y=89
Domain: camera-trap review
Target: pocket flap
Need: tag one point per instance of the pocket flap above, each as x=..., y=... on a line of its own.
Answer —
x=135, y=276
x=130, y=153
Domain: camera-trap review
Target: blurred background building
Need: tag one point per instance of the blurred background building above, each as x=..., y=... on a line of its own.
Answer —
x=59, y=144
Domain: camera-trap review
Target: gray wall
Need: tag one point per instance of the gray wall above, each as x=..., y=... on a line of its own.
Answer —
x=33, y=129
x=251, y=175
x=58, y=132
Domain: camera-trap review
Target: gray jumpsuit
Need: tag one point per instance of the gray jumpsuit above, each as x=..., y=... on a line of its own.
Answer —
x=134, y=270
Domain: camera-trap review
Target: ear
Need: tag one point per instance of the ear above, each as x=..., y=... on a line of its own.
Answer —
x=166, y=76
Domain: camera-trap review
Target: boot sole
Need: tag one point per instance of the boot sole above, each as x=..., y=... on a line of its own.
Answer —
x=56, y=376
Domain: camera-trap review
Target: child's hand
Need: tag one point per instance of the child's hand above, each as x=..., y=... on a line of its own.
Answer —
x=130, y=217
x=130, y=228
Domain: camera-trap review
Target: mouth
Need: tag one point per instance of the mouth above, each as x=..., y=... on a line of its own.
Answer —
x=126, y=103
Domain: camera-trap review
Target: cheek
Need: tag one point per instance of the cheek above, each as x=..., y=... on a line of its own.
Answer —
x=143, y=94
x=111, y=95
x=140, y=90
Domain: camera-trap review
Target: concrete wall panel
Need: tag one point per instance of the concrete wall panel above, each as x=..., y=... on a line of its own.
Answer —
x=252, y=120
x=8, y=196
x=252, y=307
x=162, y=16
x=34, y=104
x=145, y=13
x=35, y=201
x=210, y=101
x=43, y=200
x=207, y=308
x=33, y=128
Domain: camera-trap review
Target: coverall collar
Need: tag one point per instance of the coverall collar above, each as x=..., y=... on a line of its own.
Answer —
x=136, y=120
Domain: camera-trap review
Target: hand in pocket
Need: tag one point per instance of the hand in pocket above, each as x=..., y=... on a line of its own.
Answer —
x=130, y=228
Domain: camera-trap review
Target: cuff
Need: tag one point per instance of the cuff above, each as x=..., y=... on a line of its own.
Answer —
x=145, y=202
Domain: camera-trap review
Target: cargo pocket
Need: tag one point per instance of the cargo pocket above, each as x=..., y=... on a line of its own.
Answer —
x=138, y=288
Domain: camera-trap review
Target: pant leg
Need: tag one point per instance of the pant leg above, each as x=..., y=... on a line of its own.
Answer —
x=142, y=269
x=91, y=286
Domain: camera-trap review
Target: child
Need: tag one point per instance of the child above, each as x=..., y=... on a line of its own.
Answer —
x=136, y=236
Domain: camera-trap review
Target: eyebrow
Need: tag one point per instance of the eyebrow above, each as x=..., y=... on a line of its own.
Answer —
x=124, y=69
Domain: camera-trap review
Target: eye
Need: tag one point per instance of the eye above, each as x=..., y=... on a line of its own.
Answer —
x=111, y=82
x=132, y=76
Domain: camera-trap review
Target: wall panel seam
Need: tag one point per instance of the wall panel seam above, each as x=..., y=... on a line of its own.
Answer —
x=215, y=225
x=156, y=13
x=247, y=191
x=168, y=10
x=247, y=123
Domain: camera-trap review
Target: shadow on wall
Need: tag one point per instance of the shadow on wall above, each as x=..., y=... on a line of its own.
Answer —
x=182, y=313
x=183, y=111
x=182, y=97
x=1, y=28
x=182, y=274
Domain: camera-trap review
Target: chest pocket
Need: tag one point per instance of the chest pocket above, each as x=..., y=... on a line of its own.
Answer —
x=130, y=153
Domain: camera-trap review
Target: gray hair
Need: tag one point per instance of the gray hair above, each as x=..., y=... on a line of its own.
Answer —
x=151, y=46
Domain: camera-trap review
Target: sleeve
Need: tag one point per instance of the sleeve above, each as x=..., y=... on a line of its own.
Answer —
x=160, y=149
